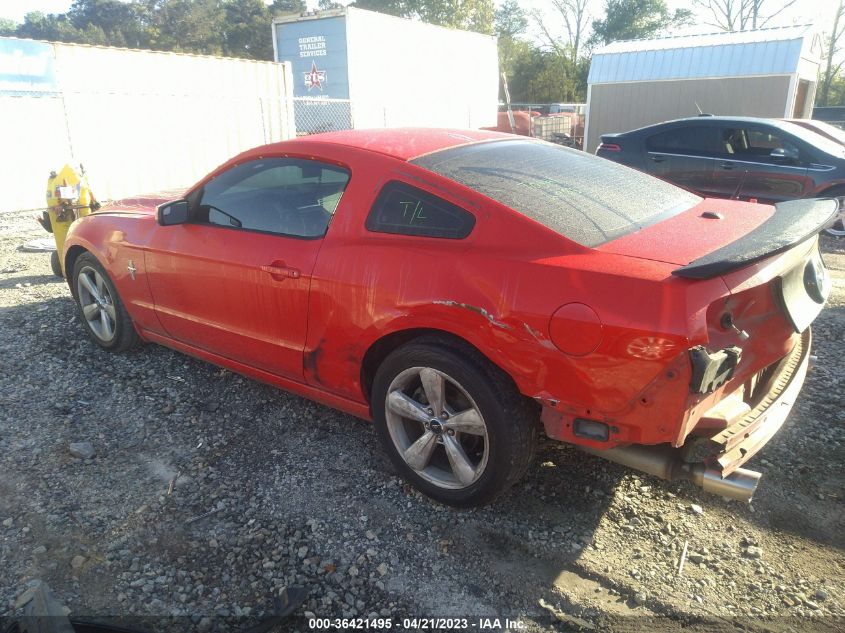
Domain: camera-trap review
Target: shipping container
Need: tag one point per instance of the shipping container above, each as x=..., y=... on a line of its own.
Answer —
x=357, y=68
x=137, y=120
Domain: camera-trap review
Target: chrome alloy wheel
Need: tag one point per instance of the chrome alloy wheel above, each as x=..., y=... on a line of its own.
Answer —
x=96, y=303
x=437, y=428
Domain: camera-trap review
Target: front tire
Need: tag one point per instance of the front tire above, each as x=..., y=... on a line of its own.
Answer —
x=452, y=424
x=100, y=308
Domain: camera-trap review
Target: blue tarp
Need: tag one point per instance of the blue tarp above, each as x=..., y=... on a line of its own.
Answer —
x=27, y=67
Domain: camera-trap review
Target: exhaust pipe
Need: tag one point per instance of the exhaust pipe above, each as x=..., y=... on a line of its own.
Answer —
x=663, y=462
x=740, y=484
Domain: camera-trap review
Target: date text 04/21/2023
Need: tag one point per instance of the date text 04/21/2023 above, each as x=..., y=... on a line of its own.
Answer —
x=418, y=623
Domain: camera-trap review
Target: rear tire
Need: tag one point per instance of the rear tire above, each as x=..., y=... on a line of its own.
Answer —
x=452, y=424
x=102, y=312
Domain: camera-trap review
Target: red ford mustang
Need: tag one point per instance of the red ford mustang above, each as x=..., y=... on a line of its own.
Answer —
x=459, y=287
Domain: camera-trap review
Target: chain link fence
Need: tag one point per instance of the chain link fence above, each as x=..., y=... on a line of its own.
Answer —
x=314, y=115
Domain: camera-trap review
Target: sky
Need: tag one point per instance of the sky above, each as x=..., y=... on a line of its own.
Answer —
x=16, y=9
x=819, y=12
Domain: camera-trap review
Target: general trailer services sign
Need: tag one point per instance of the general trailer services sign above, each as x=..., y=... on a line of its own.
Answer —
x=316, y=50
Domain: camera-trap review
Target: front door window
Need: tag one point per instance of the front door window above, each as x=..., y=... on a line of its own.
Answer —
x=284, y=196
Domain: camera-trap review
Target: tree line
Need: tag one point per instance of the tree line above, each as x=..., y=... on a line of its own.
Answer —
x=550, y=69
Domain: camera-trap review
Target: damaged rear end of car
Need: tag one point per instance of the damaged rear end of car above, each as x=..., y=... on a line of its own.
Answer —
x=683, y=333
x=746, y=373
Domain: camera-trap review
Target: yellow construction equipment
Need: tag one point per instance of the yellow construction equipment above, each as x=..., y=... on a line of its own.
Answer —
x=68, y=197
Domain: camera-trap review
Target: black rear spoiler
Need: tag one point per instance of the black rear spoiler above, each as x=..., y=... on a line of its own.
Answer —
x=792, y=223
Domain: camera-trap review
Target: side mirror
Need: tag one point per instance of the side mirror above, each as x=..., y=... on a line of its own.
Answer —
x=173, y=213
x=785, y=154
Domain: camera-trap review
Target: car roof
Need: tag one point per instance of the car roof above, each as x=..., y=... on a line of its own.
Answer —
x=730, y=119
x=708, y=119
x=402, y=143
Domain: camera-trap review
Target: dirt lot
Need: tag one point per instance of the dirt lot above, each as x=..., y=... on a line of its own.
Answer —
x=272, y=491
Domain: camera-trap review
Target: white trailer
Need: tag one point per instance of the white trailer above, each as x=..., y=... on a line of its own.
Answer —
x=362, y=69
x=137, y=120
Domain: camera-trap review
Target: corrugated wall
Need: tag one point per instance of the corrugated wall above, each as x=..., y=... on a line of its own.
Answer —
x=34, y=141
x=625, y=106
x=138, y=120
x=772, y=57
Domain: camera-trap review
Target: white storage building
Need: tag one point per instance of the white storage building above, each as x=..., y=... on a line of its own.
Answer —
x=765, y=73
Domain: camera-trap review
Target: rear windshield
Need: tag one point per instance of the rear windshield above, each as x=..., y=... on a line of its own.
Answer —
x=588, y=199
x=810, y=136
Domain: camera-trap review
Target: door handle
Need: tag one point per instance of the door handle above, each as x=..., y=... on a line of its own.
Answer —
x=657, y=159
x=280, y=271
x=728, y=166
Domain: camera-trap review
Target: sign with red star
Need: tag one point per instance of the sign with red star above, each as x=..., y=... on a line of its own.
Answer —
x=315, y=78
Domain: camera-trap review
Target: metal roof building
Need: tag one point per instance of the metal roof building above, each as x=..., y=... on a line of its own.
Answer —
x=767, y=72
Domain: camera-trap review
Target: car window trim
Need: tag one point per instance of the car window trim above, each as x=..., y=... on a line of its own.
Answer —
x=733, y=160
x=260, y=232
x=802, y=167
x=683, y=155
x=820, y=167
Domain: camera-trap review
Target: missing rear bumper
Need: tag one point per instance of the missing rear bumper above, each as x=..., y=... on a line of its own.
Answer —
x=740, y=441
x=719, y=471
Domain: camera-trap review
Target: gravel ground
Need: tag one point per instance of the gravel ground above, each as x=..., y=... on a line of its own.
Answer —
x=208, y=493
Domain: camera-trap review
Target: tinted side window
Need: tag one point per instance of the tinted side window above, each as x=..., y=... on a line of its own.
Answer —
x=286, y=196
x=406, y=210
x=686, y=140
x=755, y=144
x=759, y=139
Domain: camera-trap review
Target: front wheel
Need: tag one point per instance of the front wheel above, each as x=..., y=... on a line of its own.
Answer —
x=100, y=307
x=452, y=424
